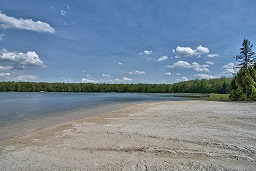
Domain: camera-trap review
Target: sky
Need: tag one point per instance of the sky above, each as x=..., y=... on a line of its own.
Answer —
x=122, y=41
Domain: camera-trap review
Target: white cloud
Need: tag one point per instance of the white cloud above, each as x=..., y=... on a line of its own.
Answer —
x=180, y=64
x=212, y=55
x=26, y=24
x=30, y=58
x=63, y=13
x=202, y=50
x=15, y=62
x=2, y=36
x=162, y=58
x=105, y=75
x=184, y=64
x=210, y=63
x=5, y=68
x=66, y=80
x=5, y=74
x=89, y=80
x=177, y=73
x=182, y=79
x=25, y=78
x=106, y=79
x=199, y=68
x=119, y=63
x=136, y=72
x=167, y=73
x=184, y=51
x=188, y=51
x=229, y=69
x=18, y=76
x=146, y=52
x=204, y=76
x=66, y=11
x=229, y=66
x=127, y=79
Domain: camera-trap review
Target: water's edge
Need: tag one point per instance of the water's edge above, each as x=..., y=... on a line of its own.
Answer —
x=26, y=127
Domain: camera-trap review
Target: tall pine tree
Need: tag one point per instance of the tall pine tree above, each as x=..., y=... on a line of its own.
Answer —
x=243, y=85
x=246, y=57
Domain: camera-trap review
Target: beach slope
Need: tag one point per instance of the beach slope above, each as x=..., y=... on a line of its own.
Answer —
x=175, y=135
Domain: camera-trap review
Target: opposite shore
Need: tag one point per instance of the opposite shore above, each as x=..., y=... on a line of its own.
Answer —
x=174, y=135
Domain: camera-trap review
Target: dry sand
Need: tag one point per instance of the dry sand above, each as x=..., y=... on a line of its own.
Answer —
x=184, y=135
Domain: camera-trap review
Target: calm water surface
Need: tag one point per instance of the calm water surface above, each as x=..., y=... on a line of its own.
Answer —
x=24, y=112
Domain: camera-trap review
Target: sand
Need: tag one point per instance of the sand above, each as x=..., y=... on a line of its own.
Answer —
x=184, y=135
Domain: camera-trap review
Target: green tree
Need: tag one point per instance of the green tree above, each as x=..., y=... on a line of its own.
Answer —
x=243, y=85
x=246, y=57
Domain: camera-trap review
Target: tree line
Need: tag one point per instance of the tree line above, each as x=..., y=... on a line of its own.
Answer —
x=218, y=85
x=82, y=87
x=194, y=86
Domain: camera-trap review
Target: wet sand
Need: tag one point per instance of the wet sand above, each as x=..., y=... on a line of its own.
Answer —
x=184, y=135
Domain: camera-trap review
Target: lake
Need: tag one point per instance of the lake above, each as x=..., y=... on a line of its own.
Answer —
x=25, y=112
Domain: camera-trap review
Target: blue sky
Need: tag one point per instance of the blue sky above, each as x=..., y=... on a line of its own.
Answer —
x=122, y=41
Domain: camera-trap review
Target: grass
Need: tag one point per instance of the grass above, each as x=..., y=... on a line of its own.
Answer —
x=217, y=97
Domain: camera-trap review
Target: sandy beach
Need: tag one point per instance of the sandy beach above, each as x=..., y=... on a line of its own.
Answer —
x=175, y=135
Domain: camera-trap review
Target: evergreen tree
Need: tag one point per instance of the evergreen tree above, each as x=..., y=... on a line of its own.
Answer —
x=243, y=85
x=246, y=57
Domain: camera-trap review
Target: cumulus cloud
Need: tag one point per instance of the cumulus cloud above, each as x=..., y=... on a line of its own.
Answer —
x=184, y=51
x=146, y=52
x=119, y=63
x=212, y=55
x=2, y=36
x=204, y=76
x=210, y=63
x=162, y=58
x=124, y=79
x=167, y=73
x=13, y=63
x=127, y=79
x=89, y=80
x=182, y=79
x=105, y=75
x=25, y=78
x=184, y=64
x=202, y=50
x=5, y=68
x=229, y=69
x=188, y=51
x=5, y=74
x=106, y=79
x=136, y=72
x=30, y=58
x=12, y=75
x=25, y=24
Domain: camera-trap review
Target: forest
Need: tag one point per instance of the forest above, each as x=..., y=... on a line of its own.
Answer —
x=221, y=85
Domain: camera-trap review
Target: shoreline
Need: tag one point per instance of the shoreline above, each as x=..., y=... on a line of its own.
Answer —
x=25, y=127
x=162, y=135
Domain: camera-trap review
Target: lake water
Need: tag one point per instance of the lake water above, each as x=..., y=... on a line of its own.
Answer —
x=25, y=112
